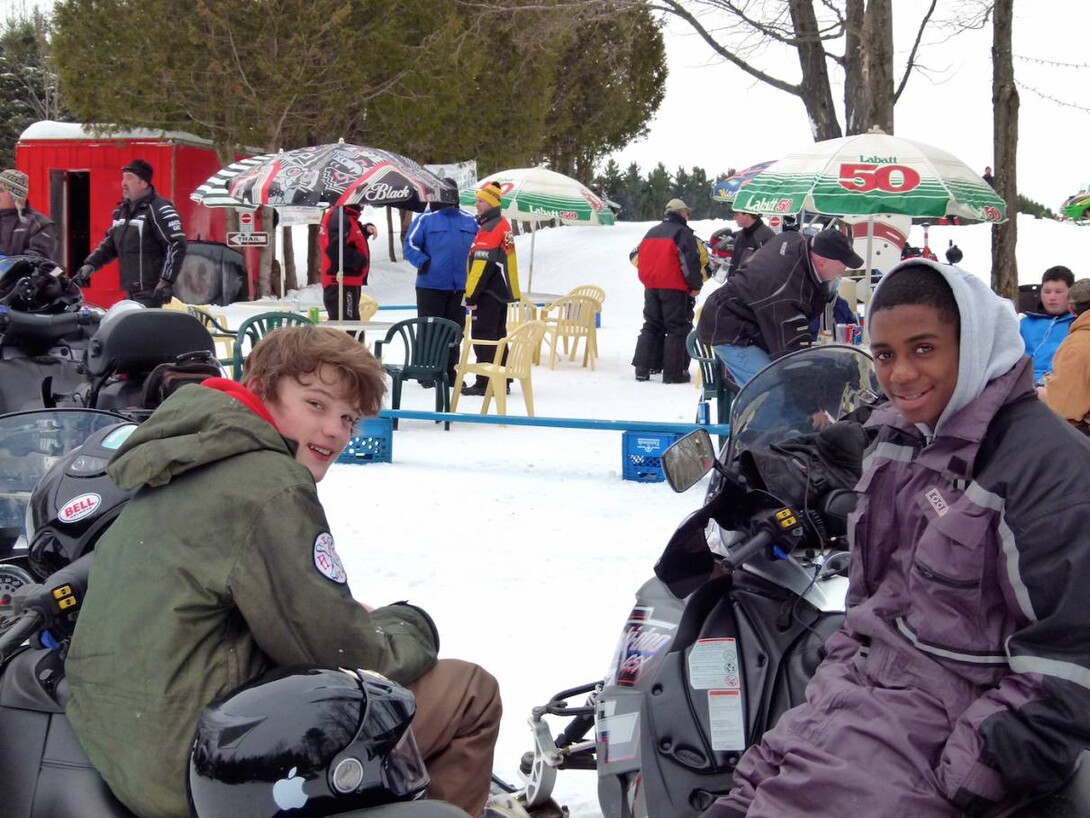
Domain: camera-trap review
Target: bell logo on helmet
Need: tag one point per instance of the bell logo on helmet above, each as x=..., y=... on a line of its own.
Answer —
x=79, y=507
x=288, y=792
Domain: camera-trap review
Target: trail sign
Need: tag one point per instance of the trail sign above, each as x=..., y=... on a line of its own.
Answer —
x=247, y=239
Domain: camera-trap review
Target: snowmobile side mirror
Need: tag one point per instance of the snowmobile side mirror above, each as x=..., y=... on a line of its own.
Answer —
x=688, y=459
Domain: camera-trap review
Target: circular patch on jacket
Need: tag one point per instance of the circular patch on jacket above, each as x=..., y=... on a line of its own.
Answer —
x=326, y=560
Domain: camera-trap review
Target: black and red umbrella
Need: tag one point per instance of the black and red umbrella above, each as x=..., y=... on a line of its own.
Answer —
x=339, y=174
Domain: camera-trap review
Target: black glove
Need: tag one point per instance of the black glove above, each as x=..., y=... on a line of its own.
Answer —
x=83, y=275
x=164, y=291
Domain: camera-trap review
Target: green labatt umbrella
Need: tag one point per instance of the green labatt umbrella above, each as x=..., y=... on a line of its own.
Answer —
x=540, y=195
x=872, y=173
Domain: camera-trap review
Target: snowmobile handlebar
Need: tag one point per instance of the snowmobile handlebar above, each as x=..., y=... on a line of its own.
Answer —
x=17, y=631
x=749, y=549
x=44, y=327
x=778, y=532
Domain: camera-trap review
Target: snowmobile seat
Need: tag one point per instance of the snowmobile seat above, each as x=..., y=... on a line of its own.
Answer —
x=136, y=342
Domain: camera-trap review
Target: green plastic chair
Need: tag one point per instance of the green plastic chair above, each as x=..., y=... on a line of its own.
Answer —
x=715, y=383
x=219, y=332
x=255, y=328
x=427, y=343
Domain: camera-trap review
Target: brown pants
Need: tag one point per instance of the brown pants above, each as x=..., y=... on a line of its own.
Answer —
x=456, y=726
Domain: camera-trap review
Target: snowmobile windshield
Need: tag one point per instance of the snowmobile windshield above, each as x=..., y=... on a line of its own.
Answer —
x=799, y=394
x=30, y=443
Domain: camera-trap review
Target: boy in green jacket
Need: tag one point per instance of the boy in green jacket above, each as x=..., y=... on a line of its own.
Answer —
x=222, y=566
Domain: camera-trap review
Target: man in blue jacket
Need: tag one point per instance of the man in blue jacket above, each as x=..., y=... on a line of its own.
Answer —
x=1044, y=329
x=437, y=245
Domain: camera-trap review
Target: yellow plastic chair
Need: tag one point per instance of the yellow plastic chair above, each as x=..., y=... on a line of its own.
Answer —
x=518, y=313
x=368, y=307
x=572, y=317
x=590, y=291
x=176, y=304
x=519, y=347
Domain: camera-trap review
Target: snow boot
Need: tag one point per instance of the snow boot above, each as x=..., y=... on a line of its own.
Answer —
x=675, y=360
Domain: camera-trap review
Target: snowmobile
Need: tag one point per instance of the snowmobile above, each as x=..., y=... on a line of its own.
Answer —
x=366, y=764
x=44, y=331
x=57, y=351
x=724, y=638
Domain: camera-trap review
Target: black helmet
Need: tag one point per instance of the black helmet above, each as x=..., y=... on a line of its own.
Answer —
x=308, y=741
x=75, y=501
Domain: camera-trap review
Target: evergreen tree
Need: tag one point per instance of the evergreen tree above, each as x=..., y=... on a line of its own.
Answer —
x=660, y=188
x=28, y=84
x=612, y=82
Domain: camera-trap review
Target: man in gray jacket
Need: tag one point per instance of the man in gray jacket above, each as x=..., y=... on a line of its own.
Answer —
x=764, y=310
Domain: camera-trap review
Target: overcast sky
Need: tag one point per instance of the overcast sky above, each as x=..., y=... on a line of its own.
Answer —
x=717, y=117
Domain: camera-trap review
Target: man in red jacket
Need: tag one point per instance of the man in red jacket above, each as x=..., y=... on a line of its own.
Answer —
x=671, y=270
x=343, y=243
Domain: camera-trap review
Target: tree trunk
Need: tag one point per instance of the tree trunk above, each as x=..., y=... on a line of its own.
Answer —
x=314, y=255
x=291, y=282
x=868, y=66
x=816, y=92
x=1005, y=141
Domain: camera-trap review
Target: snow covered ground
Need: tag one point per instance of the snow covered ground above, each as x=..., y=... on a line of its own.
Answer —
x=524, y=543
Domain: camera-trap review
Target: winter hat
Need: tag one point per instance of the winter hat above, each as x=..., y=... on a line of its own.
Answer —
x=491, y=193
x=15, y=182
x=140, y=168
x=676, y=206
x=831, y=243
x=1078, y=296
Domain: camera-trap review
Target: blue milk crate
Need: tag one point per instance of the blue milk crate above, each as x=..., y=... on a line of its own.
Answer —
x=374, y=443
x=642, y=455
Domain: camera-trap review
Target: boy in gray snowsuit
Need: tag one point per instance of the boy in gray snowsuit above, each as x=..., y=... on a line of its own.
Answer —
x=960, y=682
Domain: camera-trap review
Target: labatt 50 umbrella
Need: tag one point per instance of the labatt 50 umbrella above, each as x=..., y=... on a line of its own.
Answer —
x=539, y=195
x=338, y=174
x=872, y=173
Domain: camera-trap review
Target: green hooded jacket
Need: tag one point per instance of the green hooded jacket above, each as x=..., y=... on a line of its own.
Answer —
x=220, y=568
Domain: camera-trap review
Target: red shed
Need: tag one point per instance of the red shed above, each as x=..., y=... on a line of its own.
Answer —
x=75, y=178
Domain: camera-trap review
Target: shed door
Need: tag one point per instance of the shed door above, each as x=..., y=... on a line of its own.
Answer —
x=70, y=209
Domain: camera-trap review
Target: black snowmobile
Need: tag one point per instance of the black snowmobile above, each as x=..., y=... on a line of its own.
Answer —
x=723, y=640
x=44, y=331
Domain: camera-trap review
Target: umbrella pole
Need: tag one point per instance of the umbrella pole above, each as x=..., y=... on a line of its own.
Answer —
x=340, y=268
x=530, y=277
x=867, y=277
x=283, y=261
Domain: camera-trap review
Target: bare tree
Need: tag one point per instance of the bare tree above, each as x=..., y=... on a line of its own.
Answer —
x=1005, y=141
x=740, y=31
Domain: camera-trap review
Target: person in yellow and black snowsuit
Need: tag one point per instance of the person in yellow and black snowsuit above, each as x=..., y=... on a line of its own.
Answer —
x=492, y=281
